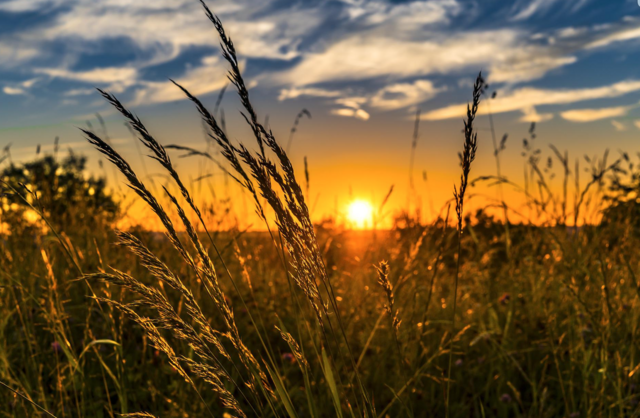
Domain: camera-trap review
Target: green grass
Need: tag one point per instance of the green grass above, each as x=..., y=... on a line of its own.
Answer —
x=462, y=317
x=539, y=327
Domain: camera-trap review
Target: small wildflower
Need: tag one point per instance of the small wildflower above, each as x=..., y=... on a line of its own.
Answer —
x=505, y=398
x=56, y=347
x=574, y=415
x=459, y=362
x=586, y=334
x=288, y=357
x=504, y=299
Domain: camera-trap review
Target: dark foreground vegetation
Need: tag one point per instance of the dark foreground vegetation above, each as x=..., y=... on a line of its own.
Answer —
x=469, y=316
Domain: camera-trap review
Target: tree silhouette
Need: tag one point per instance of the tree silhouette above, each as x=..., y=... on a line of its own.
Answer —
x=61, y=190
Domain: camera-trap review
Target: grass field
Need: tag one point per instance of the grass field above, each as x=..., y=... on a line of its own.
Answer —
x=468, y=316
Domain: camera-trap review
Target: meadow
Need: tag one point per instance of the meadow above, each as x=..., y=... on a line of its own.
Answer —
x=471, y=315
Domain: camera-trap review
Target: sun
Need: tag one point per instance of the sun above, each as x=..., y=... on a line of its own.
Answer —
x=360, y=213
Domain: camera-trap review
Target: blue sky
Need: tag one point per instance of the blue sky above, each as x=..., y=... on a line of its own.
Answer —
x=361, y=68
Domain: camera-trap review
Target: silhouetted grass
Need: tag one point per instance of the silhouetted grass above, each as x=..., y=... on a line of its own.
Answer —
x=473, y=317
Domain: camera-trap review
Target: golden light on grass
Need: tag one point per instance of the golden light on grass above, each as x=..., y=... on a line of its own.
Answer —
x=360, y=213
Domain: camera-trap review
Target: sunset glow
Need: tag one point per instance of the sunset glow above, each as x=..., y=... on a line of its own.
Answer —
x=279, y=187
x=360, y=214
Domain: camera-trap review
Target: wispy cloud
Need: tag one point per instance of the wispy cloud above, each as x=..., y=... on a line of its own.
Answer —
x=16, y=6
x=616, y=35
x=533, y=7
x=523, y=99
x=393, y=96
x=209, y=76
x=78, y=92
x=354, y=113
x=155, y=32
x=106, y=75
x=505, y=52
x=351, y=107
x=618, y=126
x=389, y=55
x=295, y=92
x=403, y=15
x=529, y=8
x=13, y=91
x=590, y=115
x=530, y=114
x=115, y=79
x=12, y=55
x=167, y=27
x=397, y=96
x=20, y=89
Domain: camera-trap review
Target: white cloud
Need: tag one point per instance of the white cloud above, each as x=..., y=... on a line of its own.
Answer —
x=637, y=123
x=98, y=75
x=156, y=32
x=393, y=96
x=79, y=92
x=29, y=83
x=524, y=98
x=590, y=115
x=401, y=95
x=20, y=88
x=530, y=114
x=505, y=53
x=571, y=32
x=619, y=126
x=208, y=77
x=411, y=14
x=116, y=79
x=388, y=50
x=533, y=7
x=526, y=64
x=355, y=113
x=17, y=6
x=382, y=41
x=159, y=31
x=14, y=55
x=625, y=34
x=295, y=92
x=13, y=91
x=352, y=102
x=524, y=9
x=351, y=107
x=166, y=27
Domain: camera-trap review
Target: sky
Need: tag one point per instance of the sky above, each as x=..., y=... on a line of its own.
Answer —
x=361, y=68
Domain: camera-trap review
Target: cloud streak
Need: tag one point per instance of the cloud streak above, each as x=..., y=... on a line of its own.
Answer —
x=590, y=115
x=357, y=57
x=526, y=98
x=209, y=76
x=364, y=56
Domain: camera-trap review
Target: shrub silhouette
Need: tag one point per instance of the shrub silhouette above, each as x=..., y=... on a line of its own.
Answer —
x=61, y=190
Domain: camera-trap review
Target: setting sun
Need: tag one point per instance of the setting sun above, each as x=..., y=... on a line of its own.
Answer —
x=339, y=174
x=360, y=213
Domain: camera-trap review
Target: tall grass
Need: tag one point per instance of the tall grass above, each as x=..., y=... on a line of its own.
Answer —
x=466, y=158
x=304, y=320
